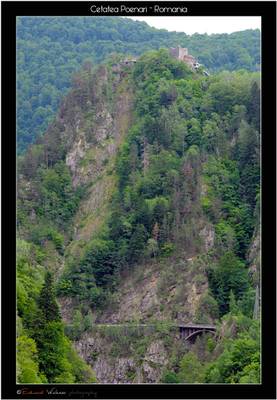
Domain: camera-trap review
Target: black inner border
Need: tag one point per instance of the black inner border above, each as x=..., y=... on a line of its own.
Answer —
x=267, y=10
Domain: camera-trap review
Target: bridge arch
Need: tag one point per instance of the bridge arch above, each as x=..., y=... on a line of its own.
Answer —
x=198, y=332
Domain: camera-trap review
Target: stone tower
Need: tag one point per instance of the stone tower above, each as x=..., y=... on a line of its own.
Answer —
x=179, y=52
x=182, y=54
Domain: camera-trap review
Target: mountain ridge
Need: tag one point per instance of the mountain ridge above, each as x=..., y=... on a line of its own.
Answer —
x=142, y=198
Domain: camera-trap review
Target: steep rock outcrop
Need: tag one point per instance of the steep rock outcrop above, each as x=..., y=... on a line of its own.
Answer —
x=97, y=350
x=254, y=255
x=98, y=133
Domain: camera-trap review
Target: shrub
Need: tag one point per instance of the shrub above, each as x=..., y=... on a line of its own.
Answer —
x=191, y=370
x=167, y=249
x=170, y=377
x=207, y=308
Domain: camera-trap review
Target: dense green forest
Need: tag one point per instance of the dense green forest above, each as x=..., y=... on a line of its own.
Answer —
x=51, y=49
x=190, y=154
x=44, y=353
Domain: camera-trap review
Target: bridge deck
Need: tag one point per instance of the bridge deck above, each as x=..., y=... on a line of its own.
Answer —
x=197, y=326
x=189, y=326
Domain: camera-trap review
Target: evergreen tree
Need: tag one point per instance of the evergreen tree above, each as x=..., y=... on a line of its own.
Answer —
x=248, y=158
x=137, y=242
x=233, y=307
x=47, y=302
x=254, y=106
x=229, y=275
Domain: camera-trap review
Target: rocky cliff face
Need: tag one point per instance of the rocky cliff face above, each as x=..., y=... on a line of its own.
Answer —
x=115, y=368
x=93, y=136
x=171, y=290
x=99, y=131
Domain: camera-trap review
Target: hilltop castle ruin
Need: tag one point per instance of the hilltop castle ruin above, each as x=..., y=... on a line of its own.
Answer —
x=182, y=54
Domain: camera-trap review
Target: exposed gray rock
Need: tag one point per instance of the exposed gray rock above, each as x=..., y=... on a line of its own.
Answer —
x=121, y=371
x=136, y=303
x=156, y=353
x=96, y=351
x=156, y=359
x=67, y=305
x=208, y=235
x=74, y=156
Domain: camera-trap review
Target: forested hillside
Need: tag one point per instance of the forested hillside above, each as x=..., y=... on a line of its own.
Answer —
x=142, y=202
x=51, y=49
